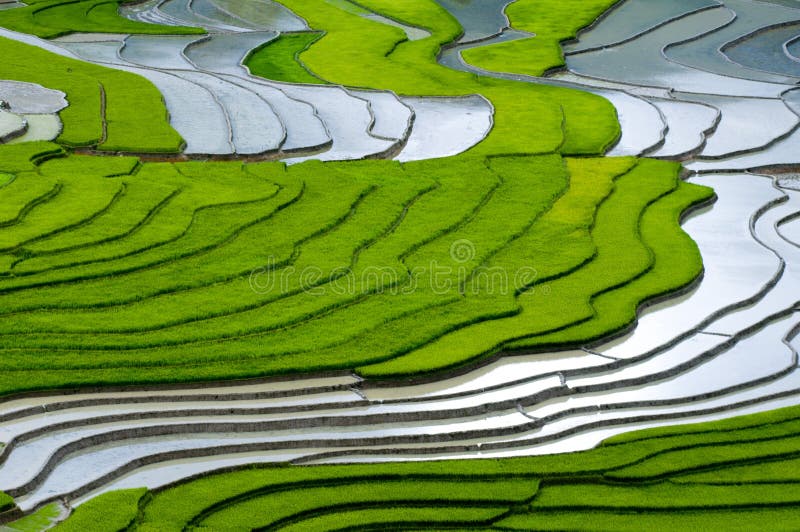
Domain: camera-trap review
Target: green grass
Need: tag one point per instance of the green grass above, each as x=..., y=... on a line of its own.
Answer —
x=41, y=519
x=550, y=22
x=146, y=276
x=6, y=502
x=119, y=272
x=115, y=510
x=278, y=59
x=528, y=118
x=302, y=505
x=54, y=18
x=736, y=520
x=108, y=109
x=572, y=491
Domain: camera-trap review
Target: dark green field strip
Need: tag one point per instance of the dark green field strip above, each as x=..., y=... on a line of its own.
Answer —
x=550, y=492
x=133, y=113
x=327, y=253
x=400, y=517
x=661, y=496
x=528, y=189
x=567, y=222
x=142, y=201
x=732, y=520
x=670, y=463
x=774, y=422
x=206, y=497
x=205, y=215
x=765, y=471
x=53, y=18
x=76, y=203
x=24, y=157
x=179, y=229
x=633, y=193
x=354, y=256
x=116, y=510
x=6, y=502
x=23, y=194
x=672, y=250
x=278, y=59
x=279, y=509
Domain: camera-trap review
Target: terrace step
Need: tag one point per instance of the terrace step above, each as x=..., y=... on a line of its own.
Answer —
x=766, y=50
x=256, y=128
x=11, y=126
x=194, y=111
x=347, y=120
x=706, y=52
x=182, y=11
x=392, y=119
x=790, y=230
x=446, y=126
x=305, y=129
x=263, y=14
x=642, y=123
x=784, y=295
x=741, y=129
x=163, y=52
x=149, y=12
x=630, y=19
x=30, y=98
x=480, y=20
x=219, y=18
x=689, y=126
x=720, y=232
x=642, y=61
x=224, y=53
x=40, y=127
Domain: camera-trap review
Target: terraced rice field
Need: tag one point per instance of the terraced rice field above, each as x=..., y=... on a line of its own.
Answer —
x=333, y=265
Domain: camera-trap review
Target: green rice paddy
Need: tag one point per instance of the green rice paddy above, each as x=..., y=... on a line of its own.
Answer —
x=116, y=270
x=655, y=479
x=54, y=18
x=278, y=59
x=121, y=272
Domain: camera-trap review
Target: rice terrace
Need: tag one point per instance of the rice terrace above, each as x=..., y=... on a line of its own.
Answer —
x=399, y=264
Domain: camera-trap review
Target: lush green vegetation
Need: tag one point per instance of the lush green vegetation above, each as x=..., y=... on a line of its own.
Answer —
x=116, y=511
x=278, y=59
x=6, y=502
x=360, y=52
x=157, y=274
x=41, y=519
x=577, y=491
x=551, y=25
x=116, y=271
x=194, y=271
x=108, y=109
x=53, y=18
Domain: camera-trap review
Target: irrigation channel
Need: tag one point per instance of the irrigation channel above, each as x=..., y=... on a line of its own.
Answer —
x=707, y=82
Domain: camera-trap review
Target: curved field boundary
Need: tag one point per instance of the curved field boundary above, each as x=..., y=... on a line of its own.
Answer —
x=549, y=491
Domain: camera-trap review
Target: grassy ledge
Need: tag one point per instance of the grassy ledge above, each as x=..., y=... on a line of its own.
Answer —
x=278, y=59
x=53, y=18
x=550, y=27
x=552, y=492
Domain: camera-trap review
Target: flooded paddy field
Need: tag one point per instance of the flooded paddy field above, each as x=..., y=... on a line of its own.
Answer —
x=711, y=84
